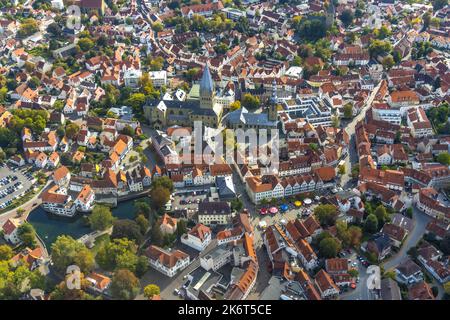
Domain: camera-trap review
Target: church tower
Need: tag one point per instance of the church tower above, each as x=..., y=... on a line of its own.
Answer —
x=273, y=103
x=207, y=91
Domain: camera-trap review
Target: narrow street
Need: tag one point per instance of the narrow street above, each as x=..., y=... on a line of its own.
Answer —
x=352, y=156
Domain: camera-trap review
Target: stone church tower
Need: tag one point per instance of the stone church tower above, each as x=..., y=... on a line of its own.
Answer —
x=207, y=91
x=273, y=103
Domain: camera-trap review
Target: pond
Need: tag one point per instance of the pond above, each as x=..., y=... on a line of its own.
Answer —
x=49, y=226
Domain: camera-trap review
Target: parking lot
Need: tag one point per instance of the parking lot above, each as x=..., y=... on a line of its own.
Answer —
x=189, y=199
x=14, y=183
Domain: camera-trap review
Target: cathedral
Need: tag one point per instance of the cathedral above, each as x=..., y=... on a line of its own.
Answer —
x=165, y=113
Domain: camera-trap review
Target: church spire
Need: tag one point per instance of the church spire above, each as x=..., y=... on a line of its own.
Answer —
x=207, y=92
x=206, y=83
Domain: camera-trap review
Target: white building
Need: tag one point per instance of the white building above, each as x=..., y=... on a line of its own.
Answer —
x=132, y=77
x=198, y=237
x=10, y=231
x=383, y=112
x=85, y=199
x=159, y=78
x=216, y=259
x=166, y=261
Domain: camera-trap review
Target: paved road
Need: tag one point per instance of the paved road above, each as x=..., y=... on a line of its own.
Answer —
x=420, y=222
x=351, y=156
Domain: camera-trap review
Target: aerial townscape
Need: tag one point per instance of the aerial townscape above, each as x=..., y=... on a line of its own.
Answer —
x=114, y=120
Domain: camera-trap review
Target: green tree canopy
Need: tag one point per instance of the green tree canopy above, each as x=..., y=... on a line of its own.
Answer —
x=126, y=228
x=124, y=285
x=101, y=218
x=326, y=214
x=159, y=196
x=371, y=224
x=250, y=102
x=444, y=158
x=118, y=254
x=67, y=251
x=151, y=290
x=329, y=247
x=6, y=252
x=347, y=17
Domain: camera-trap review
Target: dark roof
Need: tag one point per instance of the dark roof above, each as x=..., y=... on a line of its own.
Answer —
x=390, y=290
x=220, y=207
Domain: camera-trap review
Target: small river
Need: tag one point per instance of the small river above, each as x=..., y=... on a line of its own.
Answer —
x=49, y=226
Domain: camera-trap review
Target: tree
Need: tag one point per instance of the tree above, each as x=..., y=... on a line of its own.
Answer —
x=181, y=227
x=355, y=235
x=447, y=288
x=341, y=169
x=250, y=102
x=348, y=110
x=235, y=105
x=164, y=182
x=128, y=130
x=312, y=29
x=85, y=44
x=118, y=254
x=157, y=27
x=237, y=204
x=28, y=27
x=156, y=234
x=379, y=47
x=342, y=233
x=54, y=29
x=136, y=101
x=143, y=223
x=191, y=73
x=159, y=196
x=126, y=228
x=101, y=218
x=72, y=130
x=34, y=82
x=335, y=121
x=6, y=252
x=326, y=214
x=382, y=33
x=156, y=64
x=66, y=251
x=151, y=290
x=439, y=4
x=388, y=62
x=329, y=247
x=371, y=224
x=15, y=281
x=20, y=212
x=62, y=292
x=381, y=214
x=27, y=234
x=346, y=17
x=426, y=18
x=353, y=272
x=124, y=285
x=444, y=158
x=305, y=51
